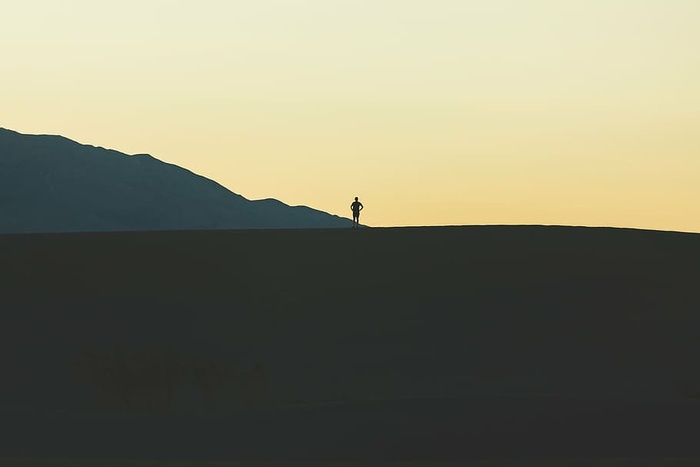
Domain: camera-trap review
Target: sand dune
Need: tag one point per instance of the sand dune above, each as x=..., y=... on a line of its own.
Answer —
x=461, y=343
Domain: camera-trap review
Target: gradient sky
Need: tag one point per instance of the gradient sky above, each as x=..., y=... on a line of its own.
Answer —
x=577, y=112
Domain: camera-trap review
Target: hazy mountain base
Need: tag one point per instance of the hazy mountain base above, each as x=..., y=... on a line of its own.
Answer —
x=381, y=314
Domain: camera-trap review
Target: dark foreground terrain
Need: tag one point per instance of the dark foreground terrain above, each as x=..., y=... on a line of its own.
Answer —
x=414, y=344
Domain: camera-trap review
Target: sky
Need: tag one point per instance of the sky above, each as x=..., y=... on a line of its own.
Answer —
x=432, y=112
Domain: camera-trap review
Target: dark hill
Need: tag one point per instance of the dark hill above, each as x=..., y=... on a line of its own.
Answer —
x=53, y=184
x=386, y=344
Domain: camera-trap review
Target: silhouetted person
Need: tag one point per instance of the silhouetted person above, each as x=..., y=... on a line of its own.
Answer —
x=356, y=207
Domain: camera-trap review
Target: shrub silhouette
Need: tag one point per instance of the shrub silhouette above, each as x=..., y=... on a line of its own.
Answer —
x=141, y=380
x=146, y=380
x=691, y=389
x=254, y=385
x=210, y=377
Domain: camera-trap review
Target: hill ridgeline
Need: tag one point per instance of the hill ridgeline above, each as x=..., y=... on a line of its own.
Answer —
x=53, y=184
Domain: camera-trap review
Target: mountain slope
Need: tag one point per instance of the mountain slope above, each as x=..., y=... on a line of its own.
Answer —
x=53, y=184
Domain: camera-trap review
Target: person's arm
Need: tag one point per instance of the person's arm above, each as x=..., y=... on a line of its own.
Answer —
x=361, y=207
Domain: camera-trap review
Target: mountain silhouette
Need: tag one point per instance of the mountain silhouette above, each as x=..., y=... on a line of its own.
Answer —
x=54, y=184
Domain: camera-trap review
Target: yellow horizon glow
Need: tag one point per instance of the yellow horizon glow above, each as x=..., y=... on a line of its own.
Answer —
x=584, y=112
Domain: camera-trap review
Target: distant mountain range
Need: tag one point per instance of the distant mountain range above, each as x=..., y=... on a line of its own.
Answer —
x=53, y=184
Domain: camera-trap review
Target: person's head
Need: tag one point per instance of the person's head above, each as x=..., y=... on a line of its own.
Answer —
x=355, y=198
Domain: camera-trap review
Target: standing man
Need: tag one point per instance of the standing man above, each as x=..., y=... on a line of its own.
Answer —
x=356, y=208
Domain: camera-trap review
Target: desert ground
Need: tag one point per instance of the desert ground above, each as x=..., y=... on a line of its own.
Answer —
x=485, y=345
